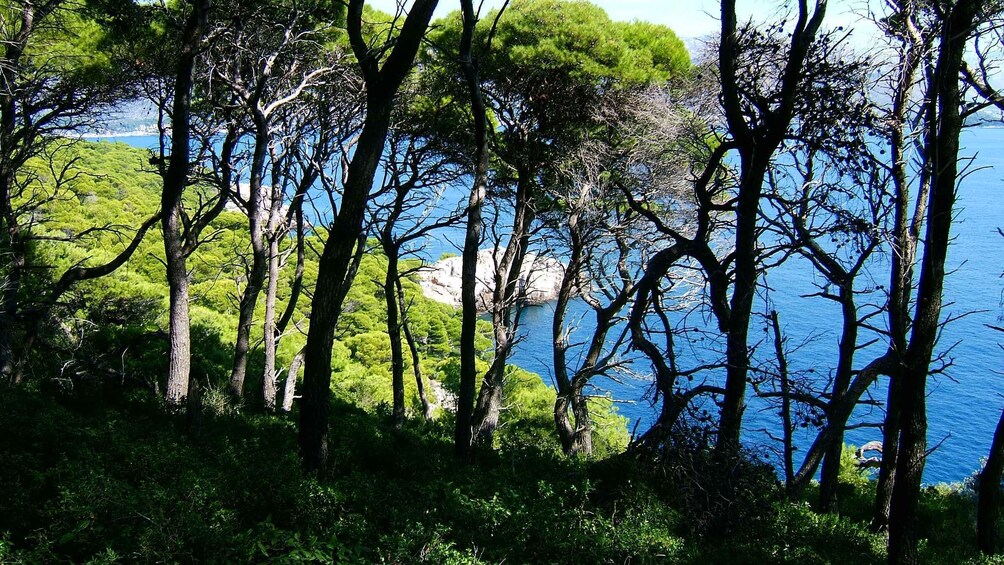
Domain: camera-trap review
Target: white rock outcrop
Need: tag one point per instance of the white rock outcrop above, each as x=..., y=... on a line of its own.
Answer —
x=539, y=279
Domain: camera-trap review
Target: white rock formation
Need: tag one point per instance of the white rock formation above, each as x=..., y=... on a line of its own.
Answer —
x=539, y=279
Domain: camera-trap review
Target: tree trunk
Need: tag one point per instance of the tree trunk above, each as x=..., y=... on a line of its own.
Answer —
x=583, y=438
x=664, y=364
x=289, y=390
x=943, y=146
x=416, y=361
x=271, y=335
x=782, y=369
x=909, y=470
x=334, y=273
x=11, y=284
x=559, y=340
x=506, y=297
x=829, y=479
x=175, y=181
x=905, y=237
x=12, y=243
x=259, y=263
x=988, y=507
x=577, y=437
x=464, y=431
x=890, y=450
x=741, y=306
x=296, y=288
x=295, y=212
x=755, y=145
x=489, y=406
x=394, y=332
x=179, y=330
x=333, y=269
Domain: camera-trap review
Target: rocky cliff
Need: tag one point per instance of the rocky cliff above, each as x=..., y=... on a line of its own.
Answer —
x=540, y=279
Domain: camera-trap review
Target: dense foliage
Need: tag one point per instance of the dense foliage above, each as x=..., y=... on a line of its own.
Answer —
x=89, y=476
x=115, y=324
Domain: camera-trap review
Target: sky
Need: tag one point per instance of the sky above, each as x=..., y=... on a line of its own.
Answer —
x=688, y=18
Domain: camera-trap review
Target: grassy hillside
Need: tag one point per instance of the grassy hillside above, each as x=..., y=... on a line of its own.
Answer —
x=116, y=324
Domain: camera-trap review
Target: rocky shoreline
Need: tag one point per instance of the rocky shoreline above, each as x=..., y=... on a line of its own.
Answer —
x=540, y=279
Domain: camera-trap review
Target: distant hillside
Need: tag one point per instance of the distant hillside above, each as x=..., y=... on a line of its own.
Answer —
x=121, y=318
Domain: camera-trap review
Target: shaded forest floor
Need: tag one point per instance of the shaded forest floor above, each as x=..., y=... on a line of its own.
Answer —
x=95, y=475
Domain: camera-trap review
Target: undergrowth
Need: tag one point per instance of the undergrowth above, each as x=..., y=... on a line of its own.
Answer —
x=103, y=476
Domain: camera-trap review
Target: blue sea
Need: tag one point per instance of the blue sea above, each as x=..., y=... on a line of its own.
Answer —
x=964, y=403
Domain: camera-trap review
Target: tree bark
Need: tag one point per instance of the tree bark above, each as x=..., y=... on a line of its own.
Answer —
x=10, y=230
x=988, y=506
x=943, y=147
x=175, y=181
x=782, y=370
x=394, y=332
x=464, y=431
x=506, y=298
x=289, y=390
x=10, y=306
x=271, y=335
x=906, y=234
x=294, y=213
x=179, y=328
x=755, y=145
x=259, y=262
x=565, y=394
x=416, y=361
x=577, y=437
x=830, y=475
x=334, y=266
x=890, y=450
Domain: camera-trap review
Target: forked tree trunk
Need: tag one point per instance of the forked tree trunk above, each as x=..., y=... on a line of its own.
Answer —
x=943, y=146
x=756, y=147
x=836, y=420
x=506, y=297
x=334, y=269
x=565, y=394
x=259, y=263
x=906, y=233
x=576, y=434
x=295, y=213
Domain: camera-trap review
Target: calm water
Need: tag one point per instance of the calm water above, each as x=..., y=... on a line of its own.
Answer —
x=963, y=404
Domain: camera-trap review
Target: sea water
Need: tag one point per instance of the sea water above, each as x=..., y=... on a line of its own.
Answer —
x=964, y=402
